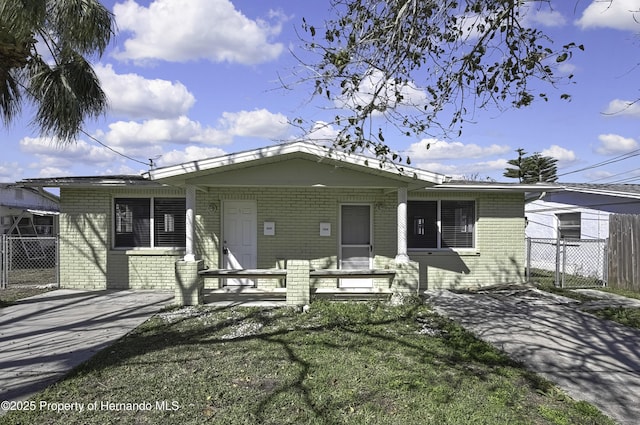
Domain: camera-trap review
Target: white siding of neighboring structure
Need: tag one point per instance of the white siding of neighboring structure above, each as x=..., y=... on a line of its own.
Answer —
x=13, y=201
x=594, y=211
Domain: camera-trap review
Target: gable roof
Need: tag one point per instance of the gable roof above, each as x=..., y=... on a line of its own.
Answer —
x=272, y=156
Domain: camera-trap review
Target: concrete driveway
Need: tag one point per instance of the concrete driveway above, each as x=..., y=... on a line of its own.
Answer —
x=590, y=359
x=44, y=337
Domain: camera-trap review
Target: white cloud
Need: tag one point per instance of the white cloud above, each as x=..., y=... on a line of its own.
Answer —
x=617, y=14
x=52, y=172
x=563, y=155
x=536, y=16
x=191, y=153
x=598, y=175
x=567, y=68
x=458, y=171
x=134, y=96
x=152, y=133
x=257, y=123
x=149, y=138
x=440, y=149
x=185, y=30
x=621, y=107
x=611, y=144
x=322, y=132
x=53, y=159
x=51, y=154
x=374, y=82
x=10, y=172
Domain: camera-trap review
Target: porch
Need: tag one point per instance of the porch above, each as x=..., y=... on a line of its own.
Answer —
x=297, y=284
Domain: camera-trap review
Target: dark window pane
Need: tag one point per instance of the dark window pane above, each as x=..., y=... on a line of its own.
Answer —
x=458, y=223
x=170, y=222
x=132, y=222
x=422, y=224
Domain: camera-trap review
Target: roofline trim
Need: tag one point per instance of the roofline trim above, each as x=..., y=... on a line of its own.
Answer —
x=291, y=148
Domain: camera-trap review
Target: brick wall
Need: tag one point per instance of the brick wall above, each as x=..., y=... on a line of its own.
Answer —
x=499, y=253
x=87, y=259
x=297, y=214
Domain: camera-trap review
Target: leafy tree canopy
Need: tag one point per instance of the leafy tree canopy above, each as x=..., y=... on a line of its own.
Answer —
x=532, y=169
x=44, y=46
x=426, y=65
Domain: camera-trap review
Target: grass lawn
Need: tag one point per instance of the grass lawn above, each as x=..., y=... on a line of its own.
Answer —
x=340, y=363
x=628, y=316
x=9, y=295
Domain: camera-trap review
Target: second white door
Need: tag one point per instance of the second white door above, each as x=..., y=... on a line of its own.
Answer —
x=240, y=234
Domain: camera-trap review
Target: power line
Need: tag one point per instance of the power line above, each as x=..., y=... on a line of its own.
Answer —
x=81, y=130
x=613, y=175
x=148, y=164
x=613, y=160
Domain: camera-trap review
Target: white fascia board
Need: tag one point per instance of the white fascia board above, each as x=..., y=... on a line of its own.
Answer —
x=497, y=187
x=292, y=148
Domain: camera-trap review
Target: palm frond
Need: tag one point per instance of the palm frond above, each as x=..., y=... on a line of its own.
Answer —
x=10, y=97
x=92, y=26
x=65, y=94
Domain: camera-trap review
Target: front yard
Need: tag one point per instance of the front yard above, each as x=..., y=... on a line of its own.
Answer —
x=367, y=363
x=11, y=294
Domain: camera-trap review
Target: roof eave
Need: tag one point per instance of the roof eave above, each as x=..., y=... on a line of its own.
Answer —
x=603, y=192
x=497, y=187
x=79, y=182
x=358, y=161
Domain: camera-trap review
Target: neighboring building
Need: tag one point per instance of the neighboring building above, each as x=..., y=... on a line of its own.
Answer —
x=579, y=210
x=27, y=211
x=336, y=222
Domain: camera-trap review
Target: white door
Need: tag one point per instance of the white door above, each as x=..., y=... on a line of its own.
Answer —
x=356, y=250
x=240, y=234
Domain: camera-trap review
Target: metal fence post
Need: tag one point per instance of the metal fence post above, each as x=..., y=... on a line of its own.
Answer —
x=3, y=262
x=557, y=276
x=528, y=266
x=564, y=261
x=605, y=265
x=57, y=245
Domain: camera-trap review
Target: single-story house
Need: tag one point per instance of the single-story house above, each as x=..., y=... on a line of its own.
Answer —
x=579, y=210
x=295, y=218
x=27, y=211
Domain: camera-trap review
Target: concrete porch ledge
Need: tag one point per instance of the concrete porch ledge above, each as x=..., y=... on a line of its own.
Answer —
x=354, y=273
x=243, y=273
x=355, y=291
x=246, y=290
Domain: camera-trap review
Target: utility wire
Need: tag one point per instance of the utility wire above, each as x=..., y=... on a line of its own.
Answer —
x=81, y=130
x=614, y=175
x=148, y=164
x=615, y=159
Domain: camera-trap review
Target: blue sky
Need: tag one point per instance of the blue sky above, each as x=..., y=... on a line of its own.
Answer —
x=190, y=79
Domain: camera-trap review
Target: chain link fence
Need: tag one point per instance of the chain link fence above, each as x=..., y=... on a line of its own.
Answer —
x=567, y=263
x=28, y=261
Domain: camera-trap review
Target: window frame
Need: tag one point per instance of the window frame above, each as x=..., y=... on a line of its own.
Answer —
x=152, y=225
x=438, y=226
x=560, y=228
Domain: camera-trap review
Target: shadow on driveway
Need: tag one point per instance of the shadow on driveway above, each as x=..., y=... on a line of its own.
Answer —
x=43, y=337
x=590, y=359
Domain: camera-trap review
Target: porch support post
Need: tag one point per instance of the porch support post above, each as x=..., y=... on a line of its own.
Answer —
x=189, y=254
x=401, y=255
